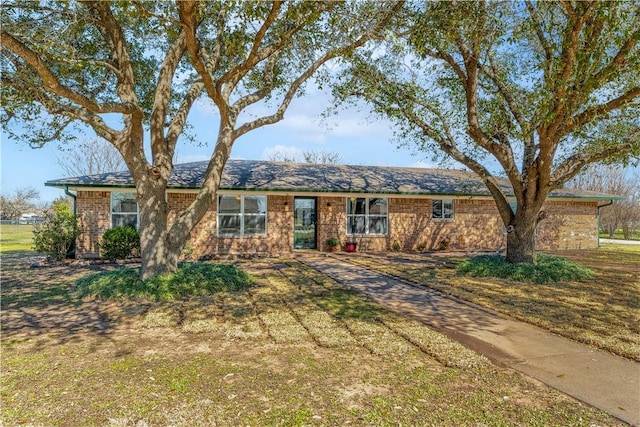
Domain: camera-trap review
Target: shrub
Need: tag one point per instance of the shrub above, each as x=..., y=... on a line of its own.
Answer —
x=191, y=279
x=56, y=235
x=333, y=242
x=548, y=269
x=120, y=243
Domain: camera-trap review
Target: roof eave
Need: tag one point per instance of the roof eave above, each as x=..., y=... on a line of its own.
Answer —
x=62, y=186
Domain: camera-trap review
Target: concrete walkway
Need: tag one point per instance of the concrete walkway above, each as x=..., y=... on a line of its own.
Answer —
x=620, y=241
x=598, y=378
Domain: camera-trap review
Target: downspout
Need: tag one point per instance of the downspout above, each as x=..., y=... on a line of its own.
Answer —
x=598, y=230
x=75, y=199
x=75, y=212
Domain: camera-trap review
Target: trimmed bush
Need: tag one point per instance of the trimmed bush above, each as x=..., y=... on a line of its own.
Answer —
x=191, y=279
x=548, y=269
x=120, y=243
x=56, y=235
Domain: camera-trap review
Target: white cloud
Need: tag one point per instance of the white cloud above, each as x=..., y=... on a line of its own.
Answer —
x=345, y=124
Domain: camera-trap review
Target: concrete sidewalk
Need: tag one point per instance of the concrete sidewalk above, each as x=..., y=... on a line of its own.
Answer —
x=595, y=377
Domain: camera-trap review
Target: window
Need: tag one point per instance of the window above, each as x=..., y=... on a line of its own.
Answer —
x=367, y=215
x=242, y=215
x=442, y=209
x=124, y=210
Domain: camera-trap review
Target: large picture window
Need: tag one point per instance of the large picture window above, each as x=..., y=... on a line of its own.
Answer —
x=442, y=209
x=124, y=210
x=242, y=215
x=367, y=215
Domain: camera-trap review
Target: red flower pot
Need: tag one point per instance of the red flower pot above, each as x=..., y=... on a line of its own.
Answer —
x=350, y=246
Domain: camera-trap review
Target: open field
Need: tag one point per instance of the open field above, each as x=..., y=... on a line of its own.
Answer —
x=16, y=237
x=619, y=235
x=295, y=349
x=603, y=311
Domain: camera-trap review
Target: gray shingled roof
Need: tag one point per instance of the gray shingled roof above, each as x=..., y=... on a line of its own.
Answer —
x=256, y=175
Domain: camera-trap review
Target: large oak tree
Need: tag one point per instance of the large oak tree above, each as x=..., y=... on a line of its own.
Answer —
x=131, y=72
x=533, y=90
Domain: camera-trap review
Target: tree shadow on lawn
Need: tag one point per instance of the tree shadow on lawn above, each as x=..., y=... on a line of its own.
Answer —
x=39, y=301
x=601, y=312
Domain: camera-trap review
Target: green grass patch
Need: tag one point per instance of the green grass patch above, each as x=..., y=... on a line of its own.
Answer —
x=618, y=234
x=620, y=247
x=190, y=280
x=548, y=269
x=16, y=237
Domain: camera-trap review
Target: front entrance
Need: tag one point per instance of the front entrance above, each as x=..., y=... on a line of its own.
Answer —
x=304, y=223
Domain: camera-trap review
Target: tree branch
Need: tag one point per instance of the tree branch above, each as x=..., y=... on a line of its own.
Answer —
x=51, y=83
x=297, y=83
x=262, y=93
x=256, y=55
x=572, y=166
x=162, y=97
x=619, y=60
x=594, y=111
x=176, y=126
x=541, y=37
x=567, y=58
x=126, y=80
x=187, y=13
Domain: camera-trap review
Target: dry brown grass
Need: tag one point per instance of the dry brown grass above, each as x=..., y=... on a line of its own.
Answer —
x=603, y=311
x=296, y=349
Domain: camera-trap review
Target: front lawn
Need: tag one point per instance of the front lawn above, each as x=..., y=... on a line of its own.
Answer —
x=294, y=349
x=602, y=311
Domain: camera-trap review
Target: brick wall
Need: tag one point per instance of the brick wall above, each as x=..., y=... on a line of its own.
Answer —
x=568, y=225
x=93, y=208
x=476, y=226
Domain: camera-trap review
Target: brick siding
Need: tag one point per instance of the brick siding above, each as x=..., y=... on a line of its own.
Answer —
x=476, y=226
x=93, y=208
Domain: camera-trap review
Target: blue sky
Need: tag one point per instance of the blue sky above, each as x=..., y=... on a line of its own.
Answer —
x=351, y=133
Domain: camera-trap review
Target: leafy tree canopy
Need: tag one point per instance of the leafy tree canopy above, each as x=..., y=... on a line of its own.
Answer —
x=539, y=88
x=131, y=72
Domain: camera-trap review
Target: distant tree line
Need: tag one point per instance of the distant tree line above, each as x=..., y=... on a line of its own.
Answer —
x=26, y=200
x=315, y=157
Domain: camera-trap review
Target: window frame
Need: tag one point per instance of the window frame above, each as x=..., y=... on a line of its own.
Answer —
x=112, y=213
x=442, y=210
x=242, y=215
x=367, y=216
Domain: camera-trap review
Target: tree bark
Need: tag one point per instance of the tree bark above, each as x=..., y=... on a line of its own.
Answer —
x=158, y=256
x=521, y=240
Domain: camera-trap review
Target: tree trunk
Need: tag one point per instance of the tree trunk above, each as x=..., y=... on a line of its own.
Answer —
x=626, y=231
x=158, y=256
x=521, y=242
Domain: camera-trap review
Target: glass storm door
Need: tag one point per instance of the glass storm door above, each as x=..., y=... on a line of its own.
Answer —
x=304, y=223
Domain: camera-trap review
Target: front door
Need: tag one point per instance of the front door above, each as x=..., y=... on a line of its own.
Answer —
x=304, y=225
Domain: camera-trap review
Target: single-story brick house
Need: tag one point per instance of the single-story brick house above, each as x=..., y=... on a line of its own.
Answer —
x=276, y=207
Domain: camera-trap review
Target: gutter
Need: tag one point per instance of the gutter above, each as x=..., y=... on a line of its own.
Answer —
x=611, y=201
x=75, y=199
